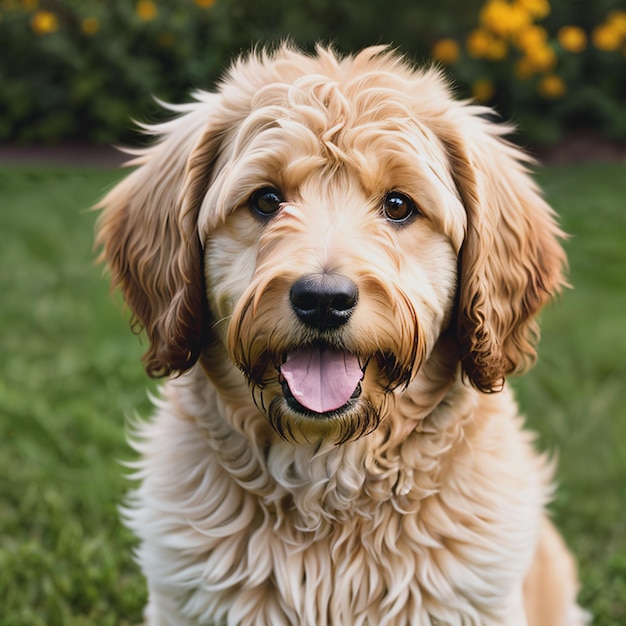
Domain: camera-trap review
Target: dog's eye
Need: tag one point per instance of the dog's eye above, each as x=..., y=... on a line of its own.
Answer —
x=398, y=207
x=266, y=201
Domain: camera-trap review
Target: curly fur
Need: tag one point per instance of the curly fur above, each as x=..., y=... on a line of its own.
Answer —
x=422, y=500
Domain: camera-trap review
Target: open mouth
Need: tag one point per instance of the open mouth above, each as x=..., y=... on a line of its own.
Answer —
x=318, y=381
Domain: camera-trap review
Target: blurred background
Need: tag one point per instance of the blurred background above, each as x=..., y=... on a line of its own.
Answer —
x=73, y=76
x=79, y=69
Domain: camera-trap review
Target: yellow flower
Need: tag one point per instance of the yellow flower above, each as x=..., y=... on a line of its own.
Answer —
x=572, y=38
x=531, y=37
x=552, y=86
x=617, y=20
x=478, y=42
x=483, y=90
x=497, y=50
x=44, y=22
x=90, y=26
x=504, y=19
x=205, y=4
x=518, y=18
x=446, y=50
x=493, y=14
x=543, y=59
x=606, y=37
x=146, y=10
x=538, y=9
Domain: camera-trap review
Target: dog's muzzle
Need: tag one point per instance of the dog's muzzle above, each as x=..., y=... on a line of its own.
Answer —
x=319, y=378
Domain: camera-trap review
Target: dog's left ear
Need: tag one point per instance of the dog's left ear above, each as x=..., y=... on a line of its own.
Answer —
x=511, y=261
x=148, y=232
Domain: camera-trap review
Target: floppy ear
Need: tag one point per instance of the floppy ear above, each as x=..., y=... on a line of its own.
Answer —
x=511, y=261
x=149, y=238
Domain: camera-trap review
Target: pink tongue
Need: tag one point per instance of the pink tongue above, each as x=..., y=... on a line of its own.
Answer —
x=322, y=380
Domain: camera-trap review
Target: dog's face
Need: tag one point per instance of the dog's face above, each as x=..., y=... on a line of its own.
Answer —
x=333, y=271
x=325, y=221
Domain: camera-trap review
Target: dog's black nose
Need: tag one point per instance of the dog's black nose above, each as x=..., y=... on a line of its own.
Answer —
x=324, y=301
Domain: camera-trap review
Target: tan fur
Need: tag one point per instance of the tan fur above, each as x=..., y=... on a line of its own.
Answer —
x=422, y=500
x=551, y=582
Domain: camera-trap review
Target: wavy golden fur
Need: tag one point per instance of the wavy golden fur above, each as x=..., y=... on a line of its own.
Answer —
x=417, y=498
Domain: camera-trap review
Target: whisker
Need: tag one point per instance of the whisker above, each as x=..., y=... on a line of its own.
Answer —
x=220, y=321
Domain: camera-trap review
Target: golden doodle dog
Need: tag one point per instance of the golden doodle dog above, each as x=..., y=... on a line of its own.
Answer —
x=338, y=265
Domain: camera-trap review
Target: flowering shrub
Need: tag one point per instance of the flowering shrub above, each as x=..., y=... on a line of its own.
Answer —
x=73, y=69
x=552, y=67
x=81, y=69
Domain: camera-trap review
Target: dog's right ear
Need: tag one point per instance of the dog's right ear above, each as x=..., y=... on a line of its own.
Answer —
x=149, y=238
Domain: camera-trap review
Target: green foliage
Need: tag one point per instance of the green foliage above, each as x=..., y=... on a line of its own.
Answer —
x=81, y=69
x=71, y=370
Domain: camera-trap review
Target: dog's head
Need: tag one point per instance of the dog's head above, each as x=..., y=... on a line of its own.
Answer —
x=326, y=221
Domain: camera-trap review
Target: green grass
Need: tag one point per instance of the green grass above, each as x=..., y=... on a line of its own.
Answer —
x=70, y=371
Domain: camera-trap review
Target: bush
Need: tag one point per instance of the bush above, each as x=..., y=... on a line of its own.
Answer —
x=552, y=67
x=80, y=69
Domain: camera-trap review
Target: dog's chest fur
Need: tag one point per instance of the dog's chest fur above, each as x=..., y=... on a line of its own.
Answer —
x=284, y=534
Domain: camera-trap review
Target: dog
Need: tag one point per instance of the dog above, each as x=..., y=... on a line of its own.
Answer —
x=337, y=265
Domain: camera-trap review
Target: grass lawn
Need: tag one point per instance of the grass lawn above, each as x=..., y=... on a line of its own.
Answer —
x=70, y=371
